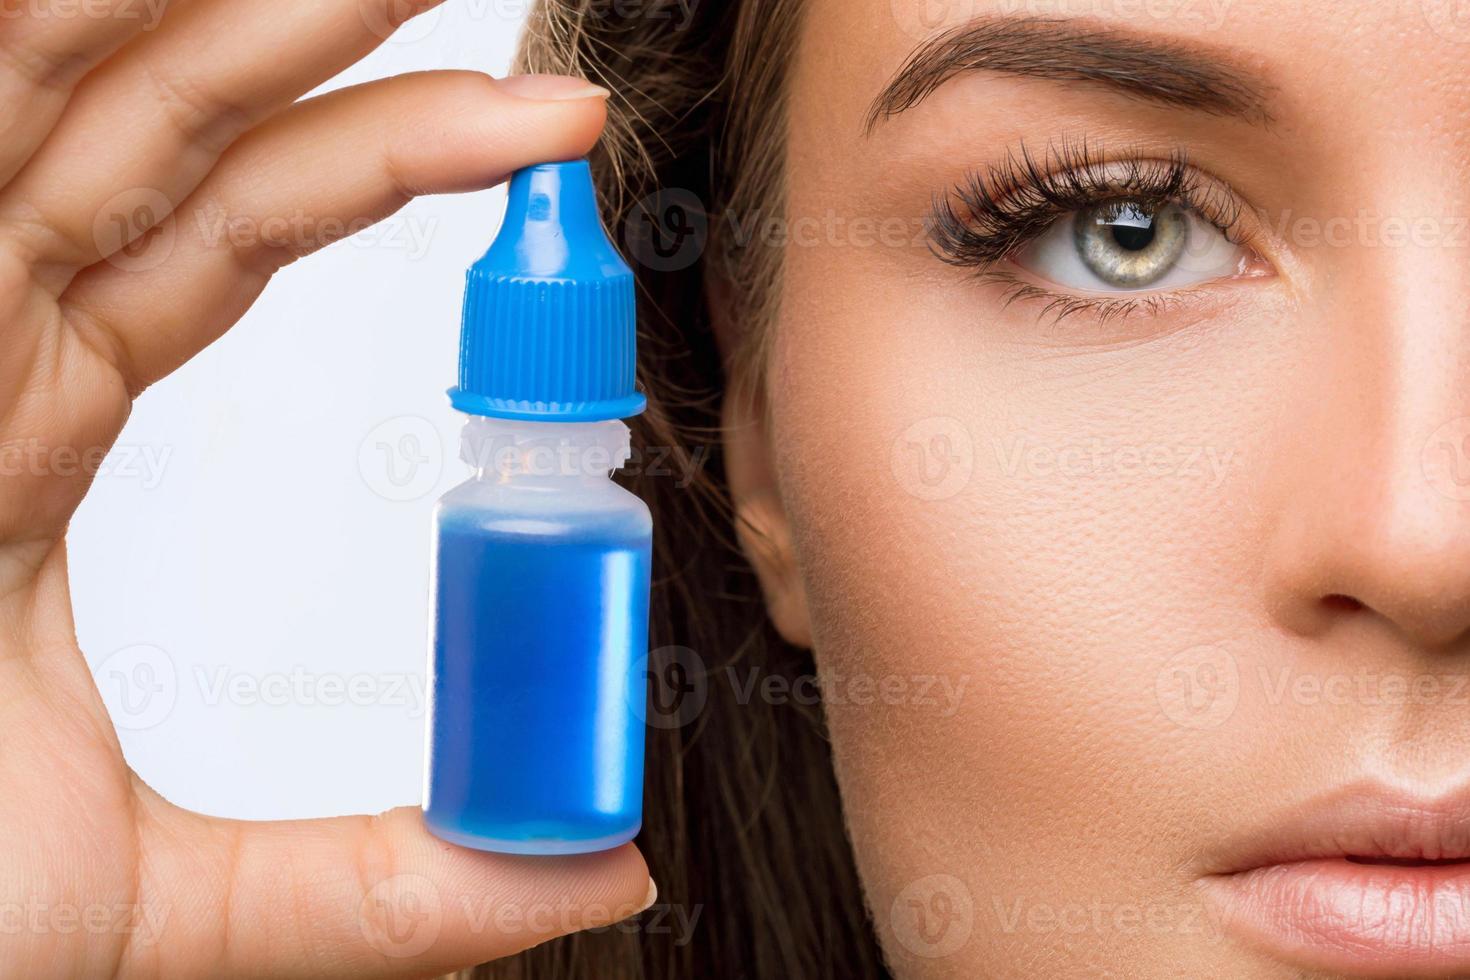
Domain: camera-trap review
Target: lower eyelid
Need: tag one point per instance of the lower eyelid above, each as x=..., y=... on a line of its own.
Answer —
x=1017, y=285
x=1098, y=321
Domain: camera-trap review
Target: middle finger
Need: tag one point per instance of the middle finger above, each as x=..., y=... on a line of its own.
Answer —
x=146, y=127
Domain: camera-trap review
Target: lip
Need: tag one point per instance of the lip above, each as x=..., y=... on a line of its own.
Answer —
x=1368, y=881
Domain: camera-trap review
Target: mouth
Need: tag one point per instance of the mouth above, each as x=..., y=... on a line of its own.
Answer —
x=1365, y=882
x=1393, y=862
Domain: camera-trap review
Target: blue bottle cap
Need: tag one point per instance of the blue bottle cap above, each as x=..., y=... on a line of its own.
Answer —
x=549, y=329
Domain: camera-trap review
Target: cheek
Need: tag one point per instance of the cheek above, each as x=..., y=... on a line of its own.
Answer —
x=1020, y=564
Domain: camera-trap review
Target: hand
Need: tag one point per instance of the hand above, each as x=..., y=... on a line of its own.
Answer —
x=118, y=135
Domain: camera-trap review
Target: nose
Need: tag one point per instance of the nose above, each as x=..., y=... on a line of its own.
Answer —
x=1372, y=512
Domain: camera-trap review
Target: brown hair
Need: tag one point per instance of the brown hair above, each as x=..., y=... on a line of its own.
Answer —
x=742, y=822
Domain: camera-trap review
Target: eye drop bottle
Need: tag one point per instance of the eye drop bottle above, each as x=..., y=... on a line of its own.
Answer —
x=541, y=563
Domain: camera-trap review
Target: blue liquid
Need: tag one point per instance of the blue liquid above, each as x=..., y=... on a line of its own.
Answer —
x=537, y=689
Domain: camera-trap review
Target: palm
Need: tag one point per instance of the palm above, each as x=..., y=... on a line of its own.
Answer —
x=114, y=127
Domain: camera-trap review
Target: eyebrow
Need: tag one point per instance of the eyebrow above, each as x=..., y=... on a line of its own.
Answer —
x=1140, y=66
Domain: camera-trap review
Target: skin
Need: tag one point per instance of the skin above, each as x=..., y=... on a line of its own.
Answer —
x=1070, y=597
x=1062, y=604
x=100, y=875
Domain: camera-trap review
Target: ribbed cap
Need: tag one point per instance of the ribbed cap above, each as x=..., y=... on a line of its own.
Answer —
x=549, y=330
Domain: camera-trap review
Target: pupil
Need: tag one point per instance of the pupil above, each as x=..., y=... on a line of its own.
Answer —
x=1131, y=244
x=1134, y=237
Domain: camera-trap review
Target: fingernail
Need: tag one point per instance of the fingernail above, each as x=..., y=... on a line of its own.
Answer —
x=549, y=88
x=650, y=898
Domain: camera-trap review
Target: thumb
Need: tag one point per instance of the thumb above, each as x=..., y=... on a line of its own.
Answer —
x=356, y=897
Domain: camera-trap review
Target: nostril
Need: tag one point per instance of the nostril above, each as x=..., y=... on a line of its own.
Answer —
x=1341, y=603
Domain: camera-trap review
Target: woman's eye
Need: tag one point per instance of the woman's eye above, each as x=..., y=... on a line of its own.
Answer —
x=1129, y=245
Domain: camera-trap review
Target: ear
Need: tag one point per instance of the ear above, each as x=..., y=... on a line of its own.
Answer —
x=760, y=518
x=761, y=524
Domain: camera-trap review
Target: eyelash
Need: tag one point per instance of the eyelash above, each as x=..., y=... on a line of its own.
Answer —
x=990, y=216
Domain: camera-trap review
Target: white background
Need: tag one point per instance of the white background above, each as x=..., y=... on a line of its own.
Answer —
x=250, y=570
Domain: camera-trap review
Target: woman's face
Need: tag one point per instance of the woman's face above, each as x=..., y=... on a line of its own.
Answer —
x=1130, y=491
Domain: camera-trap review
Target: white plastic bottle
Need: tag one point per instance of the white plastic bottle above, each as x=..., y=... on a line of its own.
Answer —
x=541, y=561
